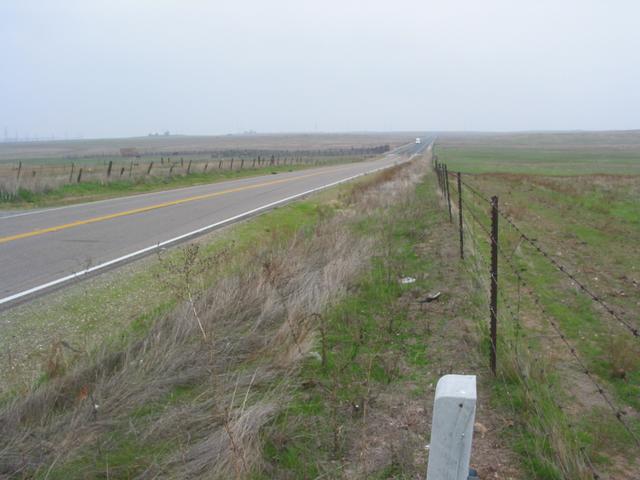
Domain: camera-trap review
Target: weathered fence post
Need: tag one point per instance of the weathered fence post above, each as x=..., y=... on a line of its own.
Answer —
x=241, y=163
x=220, y=165
x=150, y=167
x=454, y=411
x=71, y=174
x=446, y=181
x=494, y=281
x=109, y=168
x=205, y=166
x=460, y=216
x=130, y=168
x=19, y=170
x=79, y=175
x=189, y=167
x=231, y=166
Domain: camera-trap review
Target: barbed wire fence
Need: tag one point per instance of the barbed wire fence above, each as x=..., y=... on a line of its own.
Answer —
x=478, y=223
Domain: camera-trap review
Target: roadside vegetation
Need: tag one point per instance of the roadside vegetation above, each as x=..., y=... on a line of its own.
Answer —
x=307, y=343
x=188, y=389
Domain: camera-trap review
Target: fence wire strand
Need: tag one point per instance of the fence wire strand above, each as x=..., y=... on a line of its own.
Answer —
x=558, y=266
x=618, y=413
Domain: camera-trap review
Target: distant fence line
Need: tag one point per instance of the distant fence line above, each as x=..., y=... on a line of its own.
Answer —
x=46, y=176
x=224, y=152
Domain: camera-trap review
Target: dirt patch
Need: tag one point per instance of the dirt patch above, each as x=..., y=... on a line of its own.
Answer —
x=456, y=342
x=393, y=440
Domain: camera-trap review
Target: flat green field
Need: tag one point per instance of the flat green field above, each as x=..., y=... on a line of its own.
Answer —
x=547, y=154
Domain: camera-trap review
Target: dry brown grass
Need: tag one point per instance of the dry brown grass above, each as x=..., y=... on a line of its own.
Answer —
x=623, y=355
x=232, y=350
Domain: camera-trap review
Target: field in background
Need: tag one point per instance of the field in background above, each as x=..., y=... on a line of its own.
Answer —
x=543, y=153
x=98, y=150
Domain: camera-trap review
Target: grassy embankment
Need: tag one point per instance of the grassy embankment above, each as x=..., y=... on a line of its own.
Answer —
x=587, y=223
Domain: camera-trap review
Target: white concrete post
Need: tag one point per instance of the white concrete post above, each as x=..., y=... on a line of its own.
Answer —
x=454, y=411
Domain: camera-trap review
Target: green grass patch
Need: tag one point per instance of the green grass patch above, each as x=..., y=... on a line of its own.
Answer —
x=538, y=161
x=371, y=345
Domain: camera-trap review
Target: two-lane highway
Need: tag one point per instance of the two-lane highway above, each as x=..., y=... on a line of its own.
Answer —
x=46, y=248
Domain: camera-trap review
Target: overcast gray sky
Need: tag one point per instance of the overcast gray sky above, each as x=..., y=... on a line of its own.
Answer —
x=129, y=67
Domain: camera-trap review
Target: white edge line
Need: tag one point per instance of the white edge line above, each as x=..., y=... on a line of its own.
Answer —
x=101, y=266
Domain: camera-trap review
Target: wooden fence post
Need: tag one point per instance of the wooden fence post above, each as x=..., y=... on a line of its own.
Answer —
x=460, y=216
x=446, y=181
x=494, y=282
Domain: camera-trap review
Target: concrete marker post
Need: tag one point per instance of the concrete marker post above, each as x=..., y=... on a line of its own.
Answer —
x=454, y=410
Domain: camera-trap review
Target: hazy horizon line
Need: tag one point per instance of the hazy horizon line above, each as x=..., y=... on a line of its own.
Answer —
x=314, y=133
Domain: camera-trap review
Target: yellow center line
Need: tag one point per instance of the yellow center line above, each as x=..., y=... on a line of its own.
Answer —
x=78, y=223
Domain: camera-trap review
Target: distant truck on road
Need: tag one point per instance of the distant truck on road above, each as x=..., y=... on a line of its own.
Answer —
x=418, y=140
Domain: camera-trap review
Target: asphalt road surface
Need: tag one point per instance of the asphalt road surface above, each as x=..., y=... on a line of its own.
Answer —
x=43, y=249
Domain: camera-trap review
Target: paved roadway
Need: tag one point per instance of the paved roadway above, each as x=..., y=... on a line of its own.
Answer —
x=46, y=248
